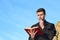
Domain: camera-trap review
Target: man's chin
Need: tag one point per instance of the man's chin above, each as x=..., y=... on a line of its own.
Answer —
x=41, y=19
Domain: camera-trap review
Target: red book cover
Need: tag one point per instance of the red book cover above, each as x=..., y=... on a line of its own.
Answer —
x=39, y=32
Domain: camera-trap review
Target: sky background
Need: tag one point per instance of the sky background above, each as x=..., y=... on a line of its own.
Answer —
x=15, y=15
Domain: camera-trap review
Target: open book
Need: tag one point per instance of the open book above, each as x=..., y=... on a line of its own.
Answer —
x=39, y=32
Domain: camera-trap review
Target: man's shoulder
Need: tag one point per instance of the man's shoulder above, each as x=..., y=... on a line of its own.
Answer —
x=51, y=24
x=34, y=25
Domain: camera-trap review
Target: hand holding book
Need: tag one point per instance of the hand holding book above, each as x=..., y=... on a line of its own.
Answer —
x=33, y=31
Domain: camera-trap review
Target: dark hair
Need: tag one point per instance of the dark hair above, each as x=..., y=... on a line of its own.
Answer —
x=40, y=10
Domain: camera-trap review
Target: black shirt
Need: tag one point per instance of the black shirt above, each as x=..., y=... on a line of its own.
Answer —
x=49, y=31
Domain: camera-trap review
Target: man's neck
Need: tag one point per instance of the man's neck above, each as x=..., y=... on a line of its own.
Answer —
x=41, y=23
x=41, y=20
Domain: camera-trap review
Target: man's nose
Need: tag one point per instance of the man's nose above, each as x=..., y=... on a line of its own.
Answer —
x=39, y=16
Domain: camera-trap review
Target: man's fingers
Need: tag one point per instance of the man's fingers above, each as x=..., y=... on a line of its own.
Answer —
x=36, y=32
x=29, y=32
x=33, y=30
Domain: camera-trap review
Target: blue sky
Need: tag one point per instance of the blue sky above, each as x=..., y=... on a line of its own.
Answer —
x=15, y=15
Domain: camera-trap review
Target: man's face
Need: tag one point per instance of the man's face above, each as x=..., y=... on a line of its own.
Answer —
x=41, y=15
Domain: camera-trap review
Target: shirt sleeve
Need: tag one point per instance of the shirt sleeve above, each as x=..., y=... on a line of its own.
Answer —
x=52, y=32
x=29, y=38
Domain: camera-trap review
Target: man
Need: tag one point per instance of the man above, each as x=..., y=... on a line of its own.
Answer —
x=47, y=28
